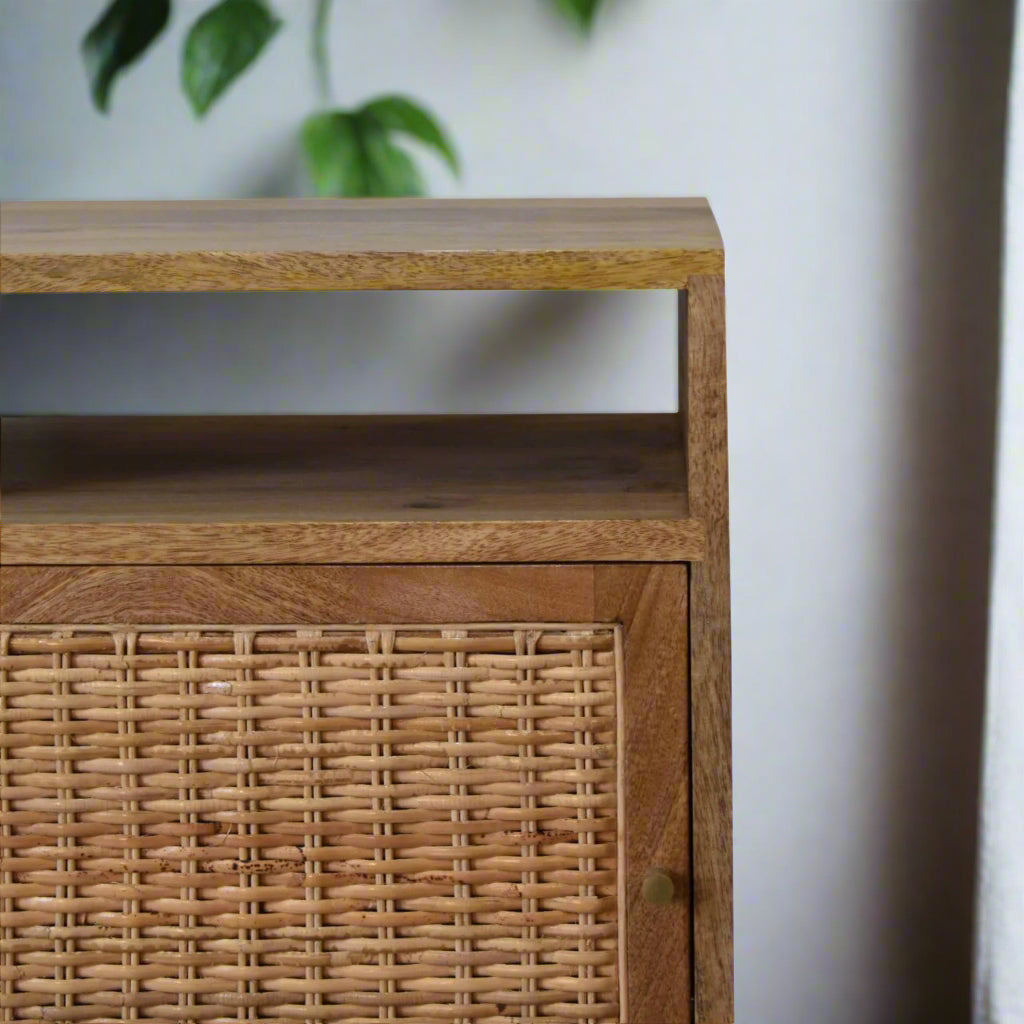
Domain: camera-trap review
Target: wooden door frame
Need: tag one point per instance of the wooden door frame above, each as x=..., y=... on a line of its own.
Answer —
x=649, y=602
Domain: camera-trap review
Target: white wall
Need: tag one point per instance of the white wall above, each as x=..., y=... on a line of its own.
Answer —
x=851, y=149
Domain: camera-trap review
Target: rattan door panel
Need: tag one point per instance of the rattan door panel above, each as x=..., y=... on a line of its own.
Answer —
x=325, y=823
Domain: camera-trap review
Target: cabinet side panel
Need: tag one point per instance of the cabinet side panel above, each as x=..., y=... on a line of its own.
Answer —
x=703, y=404
x=650, y=602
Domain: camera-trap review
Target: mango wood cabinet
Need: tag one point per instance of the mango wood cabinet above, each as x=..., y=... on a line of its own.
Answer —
x=362, y=719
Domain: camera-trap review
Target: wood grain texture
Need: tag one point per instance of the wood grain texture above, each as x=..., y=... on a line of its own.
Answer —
x=310, y=244
x=651, y=604
x=228, y=490
x=356, y=543
x=295, y=594
x=703, y=405
x=341, y=468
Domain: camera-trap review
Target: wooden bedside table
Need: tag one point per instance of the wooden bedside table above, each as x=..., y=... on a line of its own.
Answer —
x=364, y=718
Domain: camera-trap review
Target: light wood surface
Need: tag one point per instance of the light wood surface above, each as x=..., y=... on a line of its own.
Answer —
x=227, y=490
x=310, y=244
x=703, y=405
x=240, y=594
x=340, y=468
x=569, y=540
x=651, y=604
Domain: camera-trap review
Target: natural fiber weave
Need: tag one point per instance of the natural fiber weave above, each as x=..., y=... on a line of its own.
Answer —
x=267, y=823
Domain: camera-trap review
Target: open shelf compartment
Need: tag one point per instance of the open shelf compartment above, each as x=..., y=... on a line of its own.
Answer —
x=377, y=489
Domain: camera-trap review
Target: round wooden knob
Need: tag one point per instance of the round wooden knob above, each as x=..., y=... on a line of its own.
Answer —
x=659, y=888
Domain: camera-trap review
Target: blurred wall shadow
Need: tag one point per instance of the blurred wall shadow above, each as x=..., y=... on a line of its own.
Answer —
x=936, y=647
x=505, y=349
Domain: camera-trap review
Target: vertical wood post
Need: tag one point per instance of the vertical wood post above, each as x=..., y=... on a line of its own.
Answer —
x=702, y=405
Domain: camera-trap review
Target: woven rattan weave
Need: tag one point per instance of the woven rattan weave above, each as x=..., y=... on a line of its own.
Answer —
x=338, y=823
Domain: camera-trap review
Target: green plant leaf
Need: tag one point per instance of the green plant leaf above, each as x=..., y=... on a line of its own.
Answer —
x=390, y=171
x=121, y=35
x=401, y=114
x=581, y=12
x=352, y=153
x=333, y=154
x=220, y=45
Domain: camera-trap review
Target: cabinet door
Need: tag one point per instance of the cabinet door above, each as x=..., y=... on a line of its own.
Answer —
x=432, y=793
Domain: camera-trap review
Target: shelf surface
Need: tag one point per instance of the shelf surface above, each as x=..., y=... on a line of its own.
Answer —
x=313, y=244
x=225, y=490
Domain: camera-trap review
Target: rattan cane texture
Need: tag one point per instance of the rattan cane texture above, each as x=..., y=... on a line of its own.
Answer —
x=267, y=823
